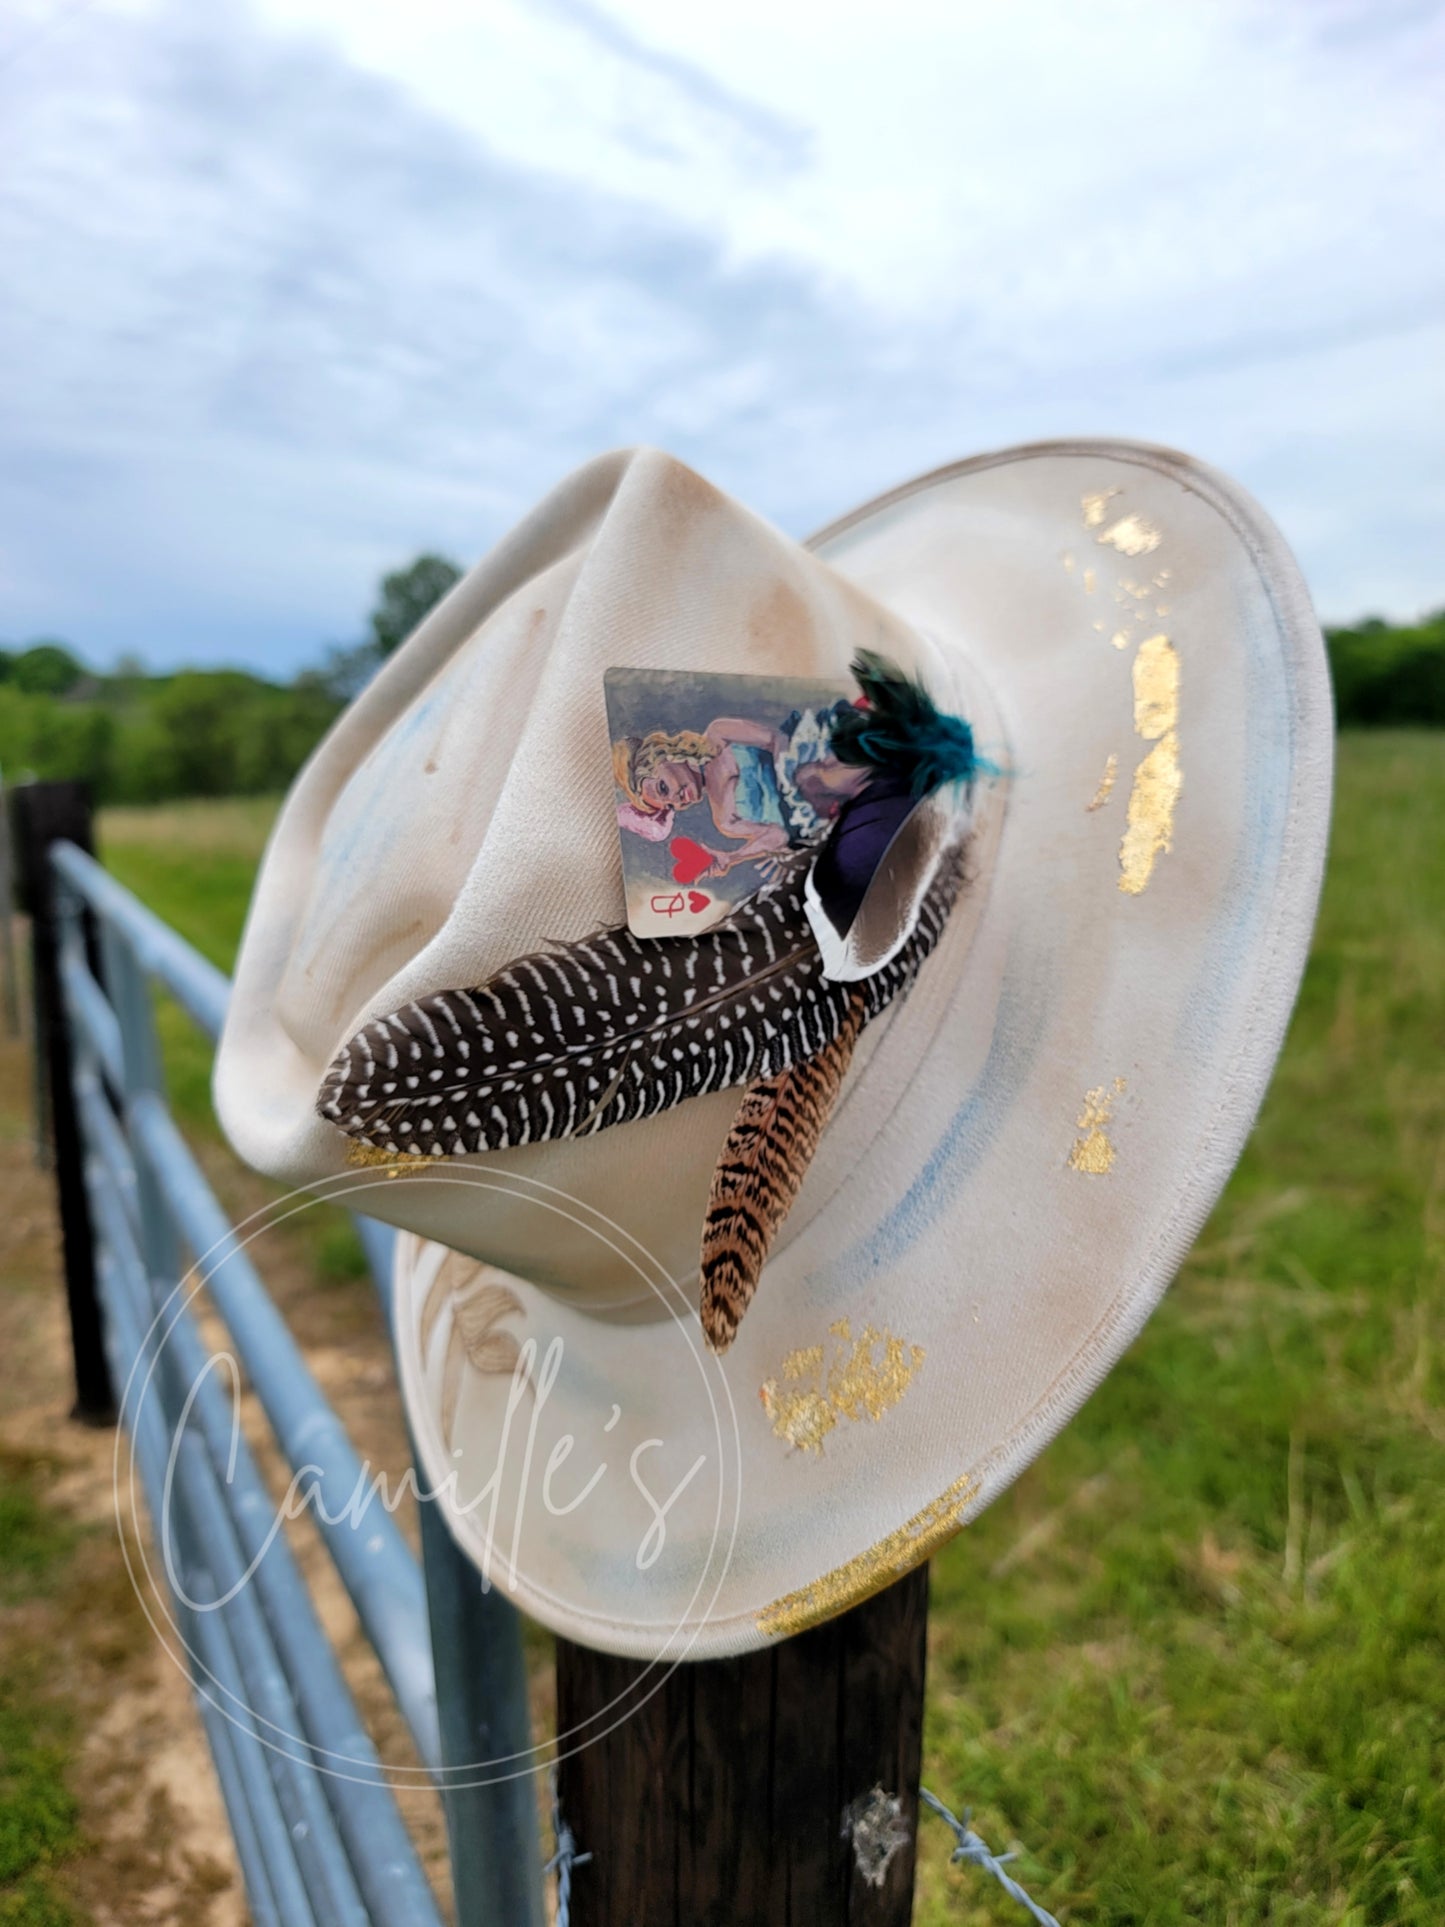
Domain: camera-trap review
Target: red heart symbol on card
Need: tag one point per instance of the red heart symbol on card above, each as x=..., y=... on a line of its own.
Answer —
x=697, y=901
x=689, y=859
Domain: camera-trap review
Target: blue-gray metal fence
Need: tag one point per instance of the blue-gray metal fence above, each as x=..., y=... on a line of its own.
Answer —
x=318, y=1830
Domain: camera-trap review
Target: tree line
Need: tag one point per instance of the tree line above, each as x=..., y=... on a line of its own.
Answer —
x=141, y=738
x=1386, y=674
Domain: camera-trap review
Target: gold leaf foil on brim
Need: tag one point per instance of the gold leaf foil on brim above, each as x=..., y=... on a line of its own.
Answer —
x=1152, y=802
x=1154, y=794
x=859, y=1578
x=1094, y=1152
x=1095, y=506
x=859, y=1383
x=370, y=1157
x=1156, y=688
x=1131, y=535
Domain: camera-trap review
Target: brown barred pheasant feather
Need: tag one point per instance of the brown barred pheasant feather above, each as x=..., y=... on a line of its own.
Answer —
x=769, y=1149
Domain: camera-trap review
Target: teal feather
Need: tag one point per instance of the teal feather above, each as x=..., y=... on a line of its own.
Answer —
x=902, y=733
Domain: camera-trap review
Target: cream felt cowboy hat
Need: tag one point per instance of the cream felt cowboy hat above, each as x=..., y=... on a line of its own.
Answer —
x=1022, y=1146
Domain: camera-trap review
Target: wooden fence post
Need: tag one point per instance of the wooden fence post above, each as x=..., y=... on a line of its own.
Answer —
x=9, y=976
x=44, y=814
x=753, y=1792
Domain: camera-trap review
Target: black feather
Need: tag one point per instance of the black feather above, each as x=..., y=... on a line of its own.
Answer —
x=568, y=1041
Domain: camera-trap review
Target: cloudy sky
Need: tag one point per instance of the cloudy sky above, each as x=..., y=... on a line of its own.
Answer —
x=293, y=288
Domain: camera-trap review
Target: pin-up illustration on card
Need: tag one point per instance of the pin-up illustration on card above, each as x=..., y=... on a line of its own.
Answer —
x=716, y=777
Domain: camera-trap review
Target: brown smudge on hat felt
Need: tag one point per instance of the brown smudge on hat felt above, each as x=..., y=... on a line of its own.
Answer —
x=778, y=619
x=477, y=1339
x=1106, y=783
x=455, y=1272
x=480, y=1297
x=679, y=500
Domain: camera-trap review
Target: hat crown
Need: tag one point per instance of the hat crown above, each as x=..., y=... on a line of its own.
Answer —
x=465, y=815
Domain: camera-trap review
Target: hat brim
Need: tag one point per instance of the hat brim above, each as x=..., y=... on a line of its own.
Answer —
x=1022, y=1156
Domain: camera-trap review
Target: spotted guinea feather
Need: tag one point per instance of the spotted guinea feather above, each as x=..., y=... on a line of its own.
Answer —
x=565, y=1042
x=759, y=1171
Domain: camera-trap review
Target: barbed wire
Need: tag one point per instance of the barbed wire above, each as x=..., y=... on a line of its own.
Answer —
x=564, y=1857
x=977, y=1853
x=970, y=1850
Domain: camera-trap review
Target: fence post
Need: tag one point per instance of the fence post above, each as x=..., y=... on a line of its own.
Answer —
x=44, y=814
x=781, y=1786
x=9, y=976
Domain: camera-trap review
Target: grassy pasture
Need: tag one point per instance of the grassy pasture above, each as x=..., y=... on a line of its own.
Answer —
x=1193, y=1663
x=1195, y=1660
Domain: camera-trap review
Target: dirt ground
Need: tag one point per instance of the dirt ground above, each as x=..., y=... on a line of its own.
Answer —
x=154, y=1847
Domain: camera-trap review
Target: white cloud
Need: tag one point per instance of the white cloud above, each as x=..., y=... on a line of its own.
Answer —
x=295, y=289
x=1060, y=158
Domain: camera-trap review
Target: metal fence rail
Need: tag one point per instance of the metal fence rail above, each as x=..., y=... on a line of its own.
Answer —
x=325, y=1845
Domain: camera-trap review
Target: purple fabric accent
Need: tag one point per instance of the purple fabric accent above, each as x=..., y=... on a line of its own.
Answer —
x=864, y=828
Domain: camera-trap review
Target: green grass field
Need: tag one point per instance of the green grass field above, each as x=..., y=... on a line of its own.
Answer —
x=1193, y=1663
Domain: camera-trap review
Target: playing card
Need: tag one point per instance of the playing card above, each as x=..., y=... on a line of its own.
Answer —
x=715, y=778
